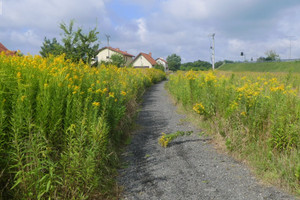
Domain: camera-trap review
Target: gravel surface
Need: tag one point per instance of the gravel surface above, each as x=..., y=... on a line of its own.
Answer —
x=189, y=168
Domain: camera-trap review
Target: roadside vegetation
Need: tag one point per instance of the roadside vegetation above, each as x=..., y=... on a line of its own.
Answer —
x=262, y=67
x=61, y=125
x=256, y=115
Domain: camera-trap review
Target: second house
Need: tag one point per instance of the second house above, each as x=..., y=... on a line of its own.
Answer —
x=143, y=60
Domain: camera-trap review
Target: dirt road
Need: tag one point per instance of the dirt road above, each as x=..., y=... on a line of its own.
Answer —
x=190, y=168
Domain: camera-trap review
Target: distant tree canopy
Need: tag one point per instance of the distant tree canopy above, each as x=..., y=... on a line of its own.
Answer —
x=270, y=56
x=174, y=62
x=196, y=66
x=75, y=44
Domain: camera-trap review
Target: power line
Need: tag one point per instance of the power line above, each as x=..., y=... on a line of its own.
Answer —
x=290, y=38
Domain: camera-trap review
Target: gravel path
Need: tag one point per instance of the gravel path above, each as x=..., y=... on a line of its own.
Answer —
x=189, y=168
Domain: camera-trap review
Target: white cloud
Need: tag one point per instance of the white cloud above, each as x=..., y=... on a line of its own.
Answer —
x=142, y=29
x=162, y=27
x=192, y=9
x=47, y=14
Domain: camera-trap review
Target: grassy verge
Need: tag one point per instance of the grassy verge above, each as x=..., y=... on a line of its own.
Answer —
x=262, y=67
x=61, y=125
x=256, y=116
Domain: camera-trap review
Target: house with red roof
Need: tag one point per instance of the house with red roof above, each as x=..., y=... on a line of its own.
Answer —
x=143, y=60
x=105, y=54
x=162, y=62
x=7, y=52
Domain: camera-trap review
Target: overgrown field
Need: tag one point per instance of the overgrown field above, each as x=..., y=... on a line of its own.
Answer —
x=262, y=67
x=256, y=114
x=61, y=124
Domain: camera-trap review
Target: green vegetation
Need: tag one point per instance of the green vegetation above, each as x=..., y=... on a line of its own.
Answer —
x=270, y=56
x=196, y=66
x=262, y=67
x=76, y=45
x=117, y=60
x=160, y=67
x=165, y=139
x=61, y=125
x=174, y=62
x=256, y=115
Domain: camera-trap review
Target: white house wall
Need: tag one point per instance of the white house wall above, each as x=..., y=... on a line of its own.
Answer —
x=141, y=61
x=102, y=55
x=162, y=63
x=106, y=54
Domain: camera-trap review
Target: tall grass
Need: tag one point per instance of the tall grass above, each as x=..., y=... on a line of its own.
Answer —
x=256, y=114
x=60, y=124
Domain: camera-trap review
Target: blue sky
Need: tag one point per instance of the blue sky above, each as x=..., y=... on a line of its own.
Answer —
x=162, y=27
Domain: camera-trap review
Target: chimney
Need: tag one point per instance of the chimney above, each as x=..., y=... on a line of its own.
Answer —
x=150, y=54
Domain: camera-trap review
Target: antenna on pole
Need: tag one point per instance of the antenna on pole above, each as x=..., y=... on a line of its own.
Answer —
x=107, y=37
x=212, y=47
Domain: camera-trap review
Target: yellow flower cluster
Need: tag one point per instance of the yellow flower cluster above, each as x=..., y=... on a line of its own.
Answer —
x=164, y=140
x=96, y=104
x=199, y=108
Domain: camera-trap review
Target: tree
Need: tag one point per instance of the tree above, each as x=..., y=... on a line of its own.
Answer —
x=198, y=65
x=118, y=60
x=160, y=67
x=261, y=59
x=272, y=56
x=75, y=44
x=51, y=47
x=174, y=62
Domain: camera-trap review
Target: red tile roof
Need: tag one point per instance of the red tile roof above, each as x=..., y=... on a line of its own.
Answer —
x=2, y=47
x=118, y=51
x=147, y=57
x=7, y=52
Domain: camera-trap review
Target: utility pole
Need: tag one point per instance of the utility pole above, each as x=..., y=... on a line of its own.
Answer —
x=212, y=47
x=107, y=37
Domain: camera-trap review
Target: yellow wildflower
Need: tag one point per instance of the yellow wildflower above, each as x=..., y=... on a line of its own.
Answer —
x=111, y=94
x=19, y=75
x=98, y=91
x=23, y=97
x=96, y=104
x=199, y=108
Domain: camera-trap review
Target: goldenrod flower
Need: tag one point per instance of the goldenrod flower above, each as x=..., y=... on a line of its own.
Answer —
x=23, y=97
x=111, y=94
x=199, y=108
x=96, y=104
x=19, y=75
x=243, y=113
